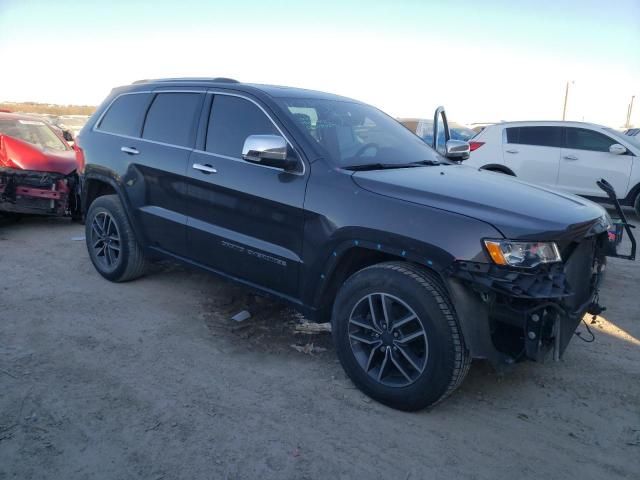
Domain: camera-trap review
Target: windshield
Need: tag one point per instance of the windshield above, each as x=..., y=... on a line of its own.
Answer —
x=34, y=132
x=354, y=134
x=621, y=136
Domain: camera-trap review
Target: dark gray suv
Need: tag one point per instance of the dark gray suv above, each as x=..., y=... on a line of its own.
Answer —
x=420, y=262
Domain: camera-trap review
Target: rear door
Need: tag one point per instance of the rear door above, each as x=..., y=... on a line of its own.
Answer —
x=149, y=136
x=533, y=153
x=586, y=159
x=168, y=138
x=245, y=219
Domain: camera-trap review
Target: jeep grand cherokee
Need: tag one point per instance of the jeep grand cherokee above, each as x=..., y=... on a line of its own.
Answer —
x=420, y=263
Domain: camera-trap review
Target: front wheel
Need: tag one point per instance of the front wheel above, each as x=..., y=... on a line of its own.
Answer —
x=397, y=336
x=636, y=205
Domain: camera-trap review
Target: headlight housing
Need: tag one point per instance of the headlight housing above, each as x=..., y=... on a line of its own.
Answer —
x=522, y=254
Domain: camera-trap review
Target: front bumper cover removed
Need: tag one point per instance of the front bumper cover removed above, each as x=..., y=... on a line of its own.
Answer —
x=511, y=314
x=38, y=193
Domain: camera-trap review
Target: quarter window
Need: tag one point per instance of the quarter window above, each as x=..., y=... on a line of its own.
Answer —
x=538, y=136
x=232, y=120
x=126, y=114
x=584, y=139
x=172, y=118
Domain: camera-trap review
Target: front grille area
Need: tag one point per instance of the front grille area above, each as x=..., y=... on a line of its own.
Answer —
x=580, y=273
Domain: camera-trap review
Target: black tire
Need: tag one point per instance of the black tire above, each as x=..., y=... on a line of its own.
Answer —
x=446, y=359
x=128, y=261
x=636, y=205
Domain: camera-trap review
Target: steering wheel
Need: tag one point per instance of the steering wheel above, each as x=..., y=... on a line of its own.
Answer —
x=366, y=147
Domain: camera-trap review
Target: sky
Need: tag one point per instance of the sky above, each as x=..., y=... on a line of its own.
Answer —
x=484, y=61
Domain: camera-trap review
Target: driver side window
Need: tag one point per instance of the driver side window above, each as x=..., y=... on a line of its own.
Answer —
x=231, y=121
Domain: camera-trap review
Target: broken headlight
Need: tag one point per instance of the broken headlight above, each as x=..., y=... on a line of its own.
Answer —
x=522, y=254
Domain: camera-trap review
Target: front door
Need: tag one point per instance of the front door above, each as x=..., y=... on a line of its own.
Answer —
x=585, y=159
x=245, y=220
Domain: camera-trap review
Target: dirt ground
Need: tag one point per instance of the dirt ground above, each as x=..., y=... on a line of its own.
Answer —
x=152, y=380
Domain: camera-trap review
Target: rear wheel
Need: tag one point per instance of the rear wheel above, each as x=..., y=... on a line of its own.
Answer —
x=112, y=246
x=397, y=336
x=636, y=205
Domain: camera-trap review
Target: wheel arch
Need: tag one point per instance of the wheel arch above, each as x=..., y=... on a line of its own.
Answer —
x=95, y=185
x=350, y=256
x=496, y=167
x=632, y=195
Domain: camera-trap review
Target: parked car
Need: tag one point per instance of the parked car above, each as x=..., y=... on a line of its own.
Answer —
x=37, y=169
x=420, y=263
x=569, y=156
x=423, y=127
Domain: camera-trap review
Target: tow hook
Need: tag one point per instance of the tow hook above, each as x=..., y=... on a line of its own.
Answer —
x=595, y=309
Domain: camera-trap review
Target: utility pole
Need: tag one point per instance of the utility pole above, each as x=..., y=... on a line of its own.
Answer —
x=629, y=109
x=566, y=96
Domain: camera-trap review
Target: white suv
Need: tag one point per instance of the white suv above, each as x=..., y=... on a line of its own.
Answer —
x=569, y=156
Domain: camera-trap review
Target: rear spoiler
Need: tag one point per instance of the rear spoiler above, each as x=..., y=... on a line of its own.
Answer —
x=623, y=223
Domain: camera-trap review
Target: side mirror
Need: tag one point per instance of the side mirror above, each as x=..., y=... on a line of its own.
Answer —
x=617, y=149
x=457, y=150
x=67, y=135
x=270, y=150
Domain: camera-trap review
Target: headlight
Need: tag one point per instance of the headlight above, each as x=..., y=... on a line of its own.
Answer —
x=522, y=254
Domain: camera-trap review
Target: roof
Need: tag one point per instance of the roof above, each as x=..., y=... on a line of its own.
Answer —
x=275, y=91
x=548, y=123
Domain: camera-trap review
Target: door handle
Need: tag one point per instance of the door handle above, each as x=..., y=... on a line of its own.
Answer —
x=129, y=150
x=512, y=151
x=570, y=157
x=204, y=168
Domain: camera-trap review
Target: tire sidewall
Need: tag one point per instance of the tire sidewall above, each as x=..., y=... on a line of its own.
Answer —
x=437, y=375
x=109, y=205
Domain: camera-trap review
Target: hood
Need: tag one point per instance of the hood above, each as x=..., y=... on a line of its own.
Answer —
x=15, y=153
x=519, y=210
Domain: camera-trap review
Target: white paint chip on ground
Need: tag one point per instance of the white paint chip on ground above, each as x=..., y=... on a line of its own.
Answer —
x=241, y=316
x=80, y=238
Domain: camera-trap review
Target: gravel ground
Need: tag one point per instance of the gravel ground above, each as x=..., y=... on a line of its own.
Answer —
x=151, y=379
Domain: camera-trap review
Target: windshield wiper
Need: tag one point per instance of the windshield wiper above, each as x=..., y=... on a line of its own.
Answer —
x=429, y=163
x=389, y=166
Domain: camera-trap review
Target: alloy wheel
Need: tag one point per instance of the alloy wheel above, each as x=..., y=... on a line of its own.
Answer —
x=105, y=240
x=388, y=340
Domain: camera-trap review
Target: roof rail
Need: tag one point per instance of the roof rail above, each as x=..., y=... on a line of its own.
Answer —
x=189, y=79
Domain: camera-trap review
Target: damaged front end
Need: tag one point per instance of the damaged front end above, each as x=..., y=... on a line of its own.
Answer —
x=39, y=193
x=511, y=314
x=530, y=313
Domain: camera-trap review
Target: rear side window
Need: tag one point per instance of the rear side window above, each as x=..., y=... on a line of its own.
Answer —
x=232, y=120
x=538, y=136
x=172, y=118
x=584, y=139
x=126, y=114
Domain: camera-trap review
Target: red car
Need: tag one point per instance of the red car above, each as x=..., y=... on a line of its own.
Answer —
x=38, y=169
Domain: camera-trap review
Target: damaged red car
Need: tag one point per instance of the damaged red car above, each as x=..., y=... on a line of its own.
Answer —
x=38, y=169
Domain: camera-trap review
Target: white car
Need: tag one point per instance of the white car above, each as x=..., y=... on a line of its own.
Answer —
x=568, y=156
